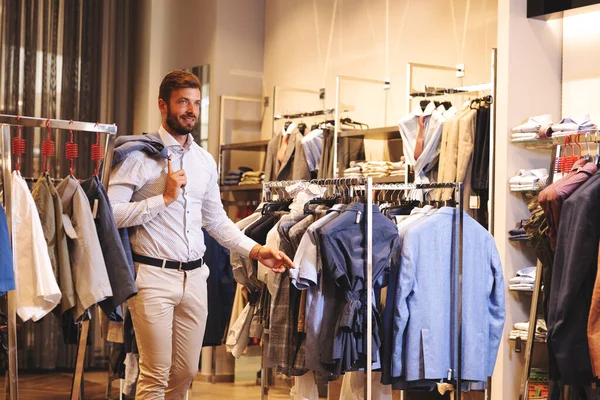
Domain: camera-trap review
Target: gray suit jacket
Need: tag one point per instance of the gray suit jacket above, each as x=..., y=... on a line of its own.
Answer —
x=294, y=165
x=422, y=345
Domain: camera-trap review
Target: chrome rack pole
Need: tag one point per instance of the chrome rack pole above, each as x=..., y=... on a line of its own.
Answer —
x=11, y=295
x=459, y=290
x=369, y=365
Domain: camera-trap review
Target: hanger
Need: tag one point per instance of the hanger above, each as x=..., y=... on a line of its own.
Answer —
x=71, y=151
x=597, y=156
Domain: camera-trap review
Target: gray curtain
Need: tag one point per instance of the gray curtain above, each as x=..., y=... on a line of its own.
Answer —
x=66, y=59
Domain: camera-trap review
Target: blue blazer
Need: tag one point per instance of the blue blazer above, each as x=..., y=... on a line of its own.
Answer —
x=419, y=327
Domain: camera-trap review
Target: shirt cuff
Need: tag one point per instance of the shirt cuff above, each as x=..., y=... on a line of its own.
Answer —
x=245, y=246
x=156, y=204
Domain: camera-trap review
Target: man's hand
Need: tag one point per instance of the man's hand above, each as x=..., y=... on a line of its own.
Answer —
x=175, y=181
x=275, y=260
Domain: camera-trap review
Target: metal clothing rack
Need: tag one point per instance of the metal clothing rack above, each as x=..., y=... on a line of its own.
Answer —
x=490, y=86
x=6, y=121
x=368, y=185
x=276, y=89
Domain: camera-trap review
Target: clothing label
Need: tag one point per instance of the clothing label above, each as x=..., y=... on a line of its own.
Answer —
x=95, y=209
x=474, y=202
x=358, y=214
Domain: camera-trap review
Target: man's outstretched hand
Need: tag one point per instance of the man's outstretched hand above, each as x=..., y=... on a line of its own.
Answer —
x=273, y=259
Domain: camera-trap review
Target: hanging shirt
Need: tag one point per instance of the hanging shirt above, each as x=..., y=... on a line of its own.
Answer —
x=7, y=275
x=421, y=133
x=87, y=262
x=121, y=277
x=37, y=290
x=313, y=148
x=49, y=208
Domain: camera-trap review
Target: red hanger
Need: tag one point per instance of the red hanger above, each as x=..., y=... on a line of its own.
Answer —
x=18, y=146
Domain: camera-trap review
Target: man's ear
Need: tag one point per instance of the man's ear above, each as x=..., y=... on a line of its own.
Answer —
x=162, y=106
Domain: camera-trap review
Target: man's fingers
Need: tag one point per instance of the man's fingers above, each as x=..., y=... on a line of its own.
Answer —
x=286, y=260
x=169, y=166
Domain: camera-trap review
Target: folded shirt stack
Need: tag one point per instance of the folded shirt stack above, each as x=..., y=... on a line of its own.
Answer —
x=529, y=179
x=530, y=129
x=518, y=234
x=570, y=126
x=520, y=330
x=234, y=176
x=252, y=178
x=374, y=169
x=524, y=280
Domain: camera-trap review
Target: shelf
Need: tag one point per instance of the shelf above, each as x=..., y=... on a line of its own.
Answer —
x=390, y=179
x=257, y=145
x=537, y=340
x=241, y=188
x=535, y=144
x=525, y=190
x=385, y=133
x=521, y=290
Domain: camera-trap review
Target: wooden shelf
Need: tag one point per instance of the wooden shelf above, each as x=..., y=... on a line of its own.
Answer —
x=241, y=188
x=257, y=145
x=385, y=133
x=390, y=179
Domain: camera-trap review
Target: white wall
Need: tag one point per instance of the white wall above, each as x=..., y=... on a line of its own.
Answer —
x=581, y=79
x=529, y=83
x=226, y=34
x=308, y=43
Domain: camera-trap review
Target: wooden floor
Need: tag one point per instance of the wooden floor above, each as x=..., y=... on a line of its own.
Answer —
x=57, y=386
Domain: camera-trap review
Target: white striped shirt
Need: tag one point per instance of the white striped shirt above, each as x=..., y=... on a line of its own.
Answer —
x=175, y=232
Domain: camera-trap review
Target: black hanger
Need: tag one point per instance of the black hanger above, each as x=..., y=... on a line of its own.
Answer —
x=302, y=127
x=273, y=206
x=320, y=201
x=287, y=125
x=424, y=104
x=446, y=104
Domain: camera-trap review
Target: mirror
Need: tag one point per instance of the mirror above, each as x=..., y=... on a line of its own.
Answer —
x=200, y=132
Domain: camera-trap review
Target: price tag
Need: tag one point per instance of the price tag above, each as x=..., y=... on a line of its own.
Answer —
x=95, y=209
x=474, y=202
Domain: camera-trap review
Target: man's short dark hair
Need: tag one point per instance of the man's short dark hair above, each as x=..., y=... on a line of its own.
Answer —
x=177, y=79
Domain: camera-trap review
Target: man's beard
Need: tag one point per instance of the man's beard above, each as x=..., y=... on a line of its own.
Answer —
x=177, y=125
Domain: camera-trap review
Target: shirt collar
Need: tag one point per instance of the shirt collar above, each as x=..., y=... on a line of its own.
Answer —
x=417, y=111
x=169, y=140
x=289, y=129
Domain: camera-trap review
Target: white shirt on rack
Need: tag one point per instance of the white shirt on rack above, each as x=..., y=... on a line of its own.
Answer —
x=37, y=290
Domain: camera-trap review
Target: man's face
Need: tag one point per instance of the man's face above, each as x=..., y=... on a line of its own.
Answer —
x=182, y=110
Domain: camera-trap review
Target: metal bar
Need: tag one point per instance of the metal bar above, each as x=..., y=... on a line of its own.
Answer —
x=300, y=90
x=359, y=79
x=432, y=66
x=492, y=172
x=306, y=114
x=221, y=130
x=524, y=392
x=274, y=108
x=452, y=91
x=239, y=98
x=336, y=126
x=459, y=290
x=78, y=375
x=408, y=87
x=13, y=366
x=264, y=389
x=368, y=367
x=33, y=122
x=109, y=147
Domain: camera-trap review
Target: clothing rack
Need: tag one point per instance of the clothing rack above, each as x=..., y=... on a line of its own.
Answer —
x=368, y=185
x=305, y=114
x=431, y=91
x=276, y=89
x=6, y=121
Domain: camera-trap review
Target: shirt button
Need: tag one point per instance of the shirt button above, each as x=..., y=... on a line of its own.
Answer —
x=188, y=231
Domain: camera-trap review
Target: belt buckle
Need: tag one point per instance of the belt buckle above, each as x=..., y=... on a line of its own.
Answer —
x=180, y=266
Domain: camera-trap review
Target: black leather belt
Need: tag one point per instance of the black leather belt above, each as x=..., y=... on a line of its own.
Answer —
x=157, y=262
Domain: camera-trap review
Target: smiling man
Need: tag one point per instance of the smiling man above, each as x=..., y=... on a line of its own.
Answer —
x=165, y=202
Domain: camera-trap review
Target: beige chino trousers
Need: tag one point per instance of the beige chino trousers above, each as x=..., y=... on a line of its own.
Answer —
x=169, y=318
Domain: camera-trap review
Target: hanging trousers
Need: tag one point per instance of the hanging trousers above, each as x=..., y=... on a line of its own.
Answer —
x=169, y=318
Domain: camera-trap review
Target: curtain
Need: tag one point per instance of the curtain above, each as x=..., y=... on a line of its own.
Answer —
x=65, y=59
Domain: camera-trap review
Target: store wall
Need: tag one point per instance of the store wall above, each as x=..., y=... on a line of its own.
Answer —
x=529, y=83
x=581, y=80
x=225, y=34
x=308, y=43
